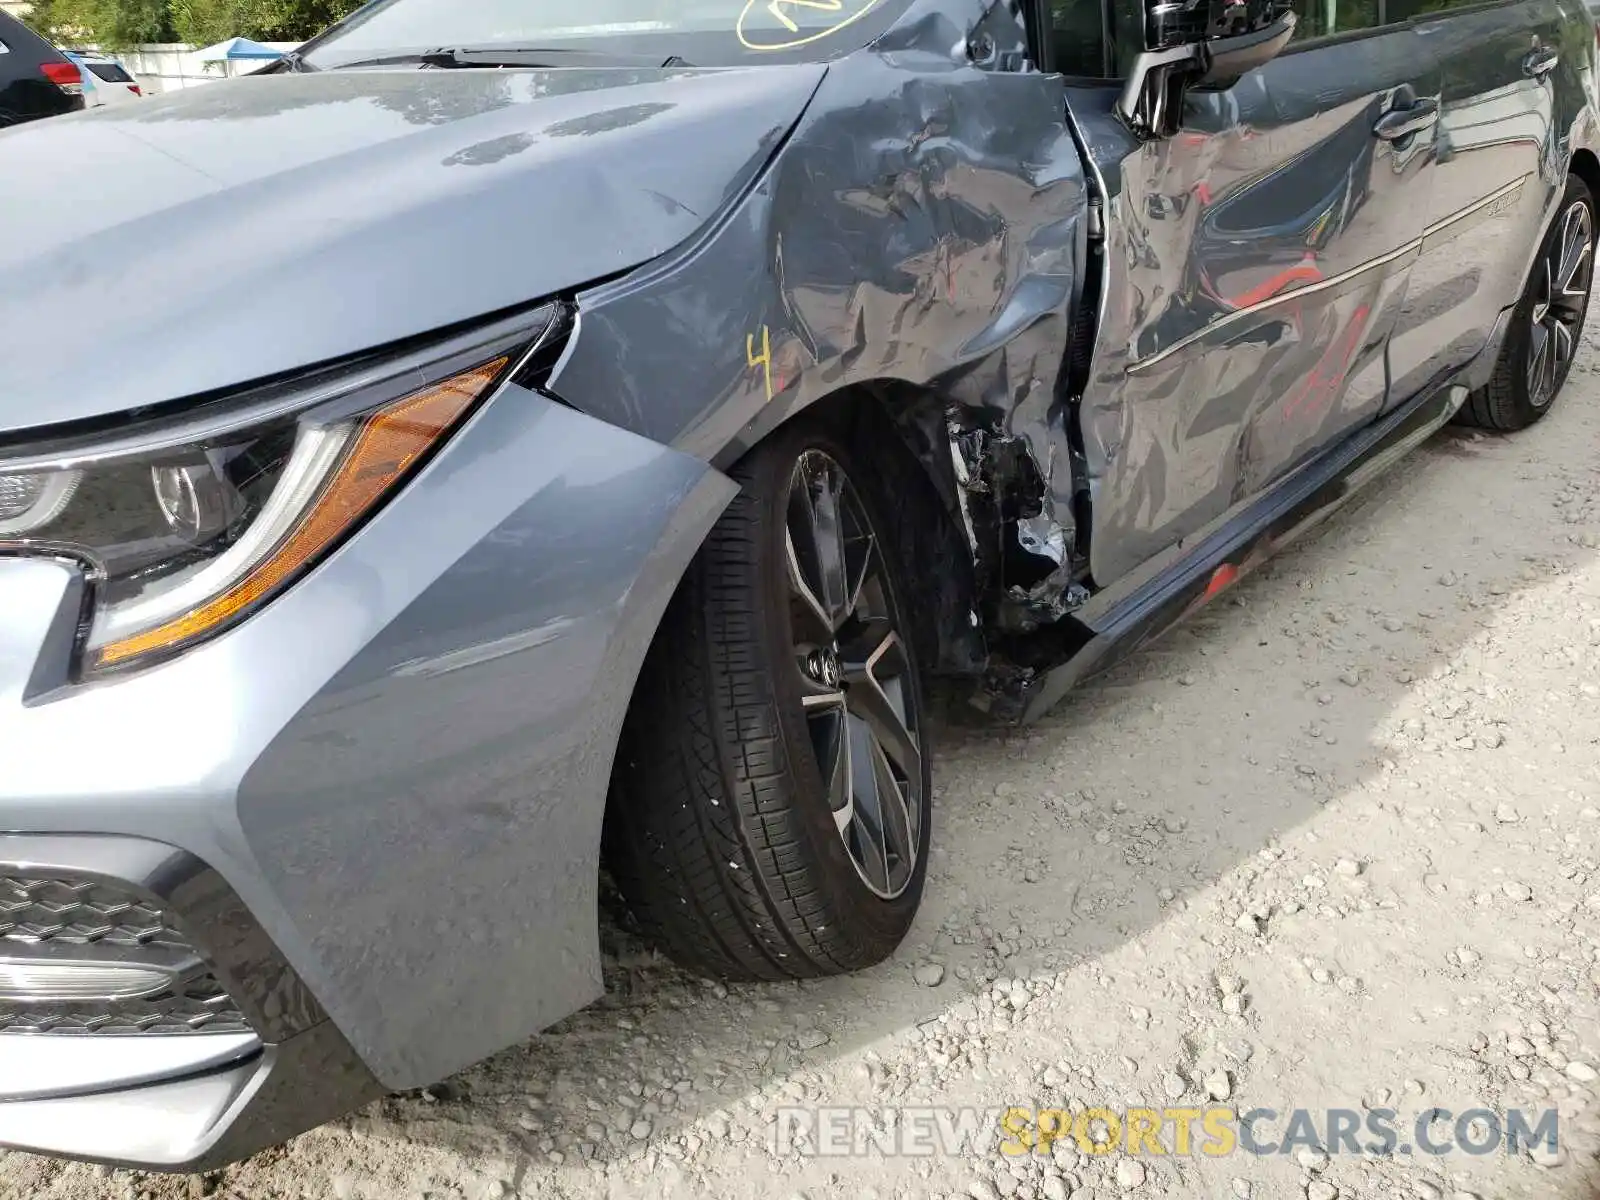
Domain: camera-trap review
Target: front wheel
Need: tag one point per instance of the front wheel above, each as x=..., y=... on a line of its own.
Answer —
x=770, y=804
x=1546, y=325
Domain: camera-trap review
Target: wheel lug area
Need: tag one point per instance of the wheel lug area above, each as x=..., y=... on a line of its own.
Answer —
x=822, y=665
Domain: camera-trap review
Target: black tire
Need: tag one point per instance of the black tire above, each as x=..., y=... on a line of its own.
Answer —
x=721, y=831
x=1525, y=385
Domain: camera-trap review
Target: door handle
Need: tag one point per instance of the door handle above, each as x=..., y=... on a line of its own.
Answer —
x=1540, y=63
x=1403, y=122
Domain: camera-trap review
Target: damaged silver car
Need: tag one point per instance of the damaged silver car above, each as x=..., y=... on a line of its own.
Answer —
x=639, y=404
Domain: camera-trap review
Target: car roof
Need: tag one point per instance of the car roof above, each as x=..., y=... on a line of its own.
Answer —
x=23, y=41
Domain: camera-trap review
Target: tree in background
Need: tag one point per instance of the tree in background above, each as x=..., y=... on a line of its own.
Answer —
x=119, y=23
x=203, y=22
x=111, y=23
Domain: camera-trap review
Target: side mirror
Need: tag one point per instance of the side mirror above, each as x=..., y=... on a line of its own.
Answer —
x=1230, y=59
x=1195, y=45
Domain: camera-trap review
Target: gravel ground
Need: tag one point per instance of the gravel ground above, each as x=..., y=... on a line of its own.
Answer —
x=1334, y=844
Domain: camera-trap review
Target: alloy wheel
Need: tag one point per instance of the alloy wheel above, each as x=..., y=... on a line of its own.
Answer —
x=856, y=684
x=1562, y=281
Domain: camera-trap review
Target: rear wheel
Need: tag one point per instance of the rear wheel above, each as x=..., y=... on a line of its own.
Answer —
x=770, y=805
x=1546, y=325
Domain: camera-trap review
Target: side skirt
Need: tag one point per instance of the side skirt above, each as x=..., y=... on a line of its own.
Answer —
x=1222, y=556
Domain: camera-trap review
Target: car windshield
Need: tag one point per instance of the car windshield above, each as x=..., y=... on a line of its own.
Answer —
x=698, y=32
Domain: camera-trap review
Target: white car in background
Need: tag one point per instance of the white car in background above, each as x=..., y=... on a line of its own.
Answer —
x=105, y=80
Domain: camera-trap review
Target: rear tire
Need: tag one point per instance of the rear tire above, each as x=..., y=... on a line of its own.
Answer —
x=778, y=717
x=1546, y=324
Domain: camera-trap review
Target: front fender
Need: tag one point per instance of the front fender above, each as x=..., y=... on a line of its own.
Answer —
x=400, y=765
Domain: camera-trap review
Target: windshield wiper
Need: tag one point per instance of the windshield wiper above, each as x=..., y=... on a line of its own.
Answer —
x=540, y=56
x=503, y=56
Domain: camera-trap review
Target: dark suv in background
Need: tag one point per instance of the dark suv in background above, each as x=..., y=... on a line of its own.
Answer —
x=36, y=79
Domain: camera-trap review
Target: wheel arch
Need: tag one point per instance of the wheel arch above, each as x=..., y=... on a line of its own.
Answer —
x=903, y=428
x=711, y=828
x=1586, y=166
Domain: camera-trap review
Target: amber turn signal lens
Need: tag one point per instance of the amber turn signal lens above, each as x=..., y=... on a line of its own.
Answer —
x=386, y=445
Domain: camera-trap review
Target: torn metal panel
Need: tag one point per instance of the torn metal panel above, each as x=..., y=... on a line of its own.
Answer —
x=923, y=224
x=1026, y=556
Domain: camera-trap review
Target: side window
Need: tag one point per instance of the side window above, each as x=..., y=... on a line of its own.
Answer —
x=1079, y=31
x=1321, y=18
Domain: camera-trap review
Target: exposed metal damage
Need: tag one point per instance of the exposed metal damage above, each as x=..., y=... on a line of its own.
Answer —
x=1026, y=557
x=943, y=276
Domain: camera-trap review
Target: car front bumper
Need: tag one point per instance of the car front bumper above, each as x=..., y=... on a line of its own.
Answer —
x=373, y=810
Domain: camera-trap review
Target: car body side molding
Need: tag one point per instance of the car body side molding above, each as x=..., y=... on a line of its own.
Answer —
x=1270, y=522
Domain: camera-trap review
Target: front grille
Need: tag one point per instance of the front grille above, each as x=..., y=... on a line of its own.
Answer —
x=52, y=919
x=76, y=912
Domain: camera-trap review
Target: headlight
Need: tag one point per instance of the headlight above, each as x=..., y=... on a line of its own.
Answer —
x=189, y=532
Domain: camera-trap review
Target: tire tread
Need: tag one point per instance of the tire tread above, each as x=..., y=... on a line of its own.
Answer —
x=704, y=837
x=1502, y=405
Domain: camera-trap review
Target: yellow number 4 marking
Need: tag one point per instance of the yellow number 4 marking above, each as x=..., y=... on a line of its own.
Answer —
x=777, y=6
x=764, y=359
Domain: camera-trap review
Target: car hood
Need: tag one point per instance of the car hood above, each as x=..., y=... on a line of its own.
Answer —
x=230, y=232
